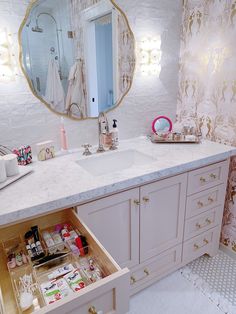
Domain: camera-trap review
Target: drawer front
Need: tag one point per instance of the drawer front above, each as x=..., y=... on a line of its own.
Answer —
x=203, y=201
x=156, y=266
x=203, y=222
x=206, y=243
x=207, y=177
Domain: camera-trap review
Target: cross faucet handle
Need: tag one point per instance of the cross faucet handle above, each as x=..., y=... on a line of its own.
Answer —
x=86, y=149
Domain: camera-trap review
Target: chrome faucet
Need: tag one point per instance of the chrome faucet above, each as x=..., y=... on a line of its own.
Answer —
x=102, y=119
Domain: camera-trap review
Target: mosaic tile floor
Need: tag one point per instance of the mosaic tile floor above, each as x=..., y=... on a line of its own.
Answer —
x=219, y=273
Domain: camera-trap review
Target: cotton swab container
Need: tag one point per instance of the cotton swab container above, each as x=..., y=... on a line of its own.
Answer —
x=11, y=165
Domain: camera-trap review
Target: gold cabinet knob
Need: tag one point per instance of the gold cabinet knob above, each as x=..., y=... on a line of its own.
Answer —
x=146, y=271
x=132, y=279
x=136, y=202
x=213, y=176
x=198, y=225
x=196, y=247
x=206, y=241
x=146, y=199
x=208, y=221
x=200, y=204
x=202, y=179
x=92, y=310
x=210, y=199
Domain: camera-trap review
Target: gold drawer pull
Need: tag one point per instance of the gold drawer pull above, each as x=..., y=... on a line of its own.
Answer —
x=198, y=225
x=208, y=221
x=146, y=199
x=197, y=247
x=213, y=176
x=200, y=204
x=133, y=280
x=203, y=180
x=146, y=271
x=136, y=202
x=210, y=199
x=92, y=310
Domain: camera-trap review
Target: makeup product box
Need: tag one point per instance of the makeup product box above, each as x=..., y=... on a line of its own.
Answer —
x=45, y=150
x=24, y=155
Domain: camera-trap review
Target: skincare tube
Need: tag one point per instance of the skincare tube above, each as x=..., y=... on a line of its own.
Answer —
x=61, y=271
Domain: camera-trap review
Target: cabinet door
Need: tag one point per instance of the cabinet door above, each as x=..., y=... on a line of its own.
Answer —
x=162, y=215
x=114, y=220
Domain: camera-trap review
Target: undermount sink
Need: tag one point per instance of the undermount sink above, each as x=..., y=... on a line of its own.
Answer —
x=114, y=161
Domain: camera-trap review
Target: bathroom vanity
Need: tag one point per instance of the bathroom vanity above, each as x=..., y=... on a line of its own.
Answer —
x=146, y=210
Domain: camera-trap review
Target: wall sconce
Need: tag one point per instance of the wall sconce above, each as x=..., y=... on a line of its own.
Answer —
x=150, y=56
x=6, y=57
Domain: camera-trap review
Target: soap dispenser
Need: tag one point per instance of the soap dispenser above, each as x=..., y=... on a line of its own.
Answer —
x=115, y=133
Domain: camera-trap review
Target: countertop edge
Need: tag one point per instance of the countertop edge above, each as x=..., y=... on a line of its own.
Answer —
x=90, y=195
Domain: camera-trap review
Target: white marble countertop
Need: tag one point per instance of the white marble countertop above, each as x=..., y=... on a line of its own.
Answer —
x=60, y=183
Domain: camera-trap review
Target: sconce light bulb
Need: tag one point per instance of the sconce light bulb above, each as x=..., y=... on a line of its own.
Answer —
x=150, y=56
x=6, y=60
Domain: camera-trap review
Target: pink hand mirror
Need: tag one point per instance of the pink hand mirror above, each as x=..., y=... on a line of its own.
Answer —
x=162, y=124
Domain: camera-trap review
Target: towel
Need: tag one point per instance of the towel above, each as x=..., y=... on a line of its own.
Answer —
x=76, y=88
x=54, y=90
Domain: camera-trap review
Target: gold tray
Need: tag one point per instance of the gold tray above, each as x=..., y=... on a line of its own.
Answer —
x=155, y=140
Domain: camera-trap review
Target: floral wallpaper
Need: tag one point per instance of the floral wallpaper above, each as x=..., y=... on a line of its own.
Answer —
x=207, y=84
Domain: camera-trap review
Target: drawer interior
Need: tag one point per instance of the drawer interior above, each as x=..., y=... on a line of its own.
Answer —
x=102, y=264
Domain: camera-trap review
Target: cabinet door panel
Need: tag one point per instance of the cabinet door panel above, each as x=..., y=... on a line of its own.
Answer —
x=162, y=215
x=115, y=222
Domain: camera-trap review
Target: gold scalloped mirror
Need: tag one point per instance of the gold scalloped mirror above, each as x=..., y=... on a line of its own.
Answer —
x=78, y=56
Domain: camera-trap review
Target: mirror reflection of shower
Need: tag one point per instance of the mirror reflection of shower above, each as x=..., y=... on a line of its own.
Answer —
x=39, y=29
x=45, y=36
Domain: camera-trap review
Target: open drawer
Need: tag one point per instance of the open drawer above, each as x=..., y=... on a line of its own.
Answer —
x=107, y=295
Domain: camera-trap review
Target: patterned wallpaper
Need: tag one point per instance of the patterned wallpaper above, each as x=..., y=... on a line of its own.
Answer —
x=207, y=85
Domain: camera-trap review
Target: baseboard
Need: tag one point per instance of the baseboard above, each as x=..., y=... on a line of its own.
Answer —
x=228, y=251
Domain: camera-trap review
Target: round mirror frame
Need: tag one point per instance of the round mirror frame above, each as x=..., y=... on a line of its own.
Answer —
x=28, y=11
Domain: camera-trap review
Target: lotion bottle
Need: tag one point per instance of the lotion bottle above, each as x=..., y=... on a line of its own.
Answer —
x=64, y=146
x=115, y=133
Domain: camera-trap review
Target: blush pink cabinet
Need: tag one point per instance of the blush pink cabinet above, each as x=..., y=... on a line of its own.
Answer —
x=162, y=213
x=157, y=228
x=115, y=222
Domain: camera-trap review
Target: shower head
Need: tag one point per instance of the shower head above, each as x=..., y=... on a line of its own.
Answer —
x=37, y=29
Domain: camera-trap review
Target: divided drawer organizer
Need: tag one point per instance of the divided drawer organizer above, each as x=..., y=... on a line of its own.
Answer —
x=204, y=210
x=104, y=286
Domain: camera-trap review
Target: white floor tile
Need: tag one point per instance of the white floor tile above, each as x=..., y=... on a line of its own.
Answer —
x=172, y=295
